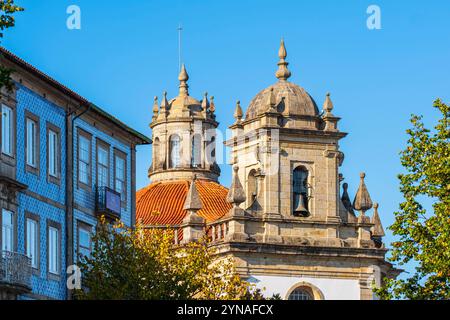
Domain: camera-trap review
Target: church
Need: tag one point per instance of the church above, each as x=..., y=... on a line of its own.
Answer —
x=286, y=220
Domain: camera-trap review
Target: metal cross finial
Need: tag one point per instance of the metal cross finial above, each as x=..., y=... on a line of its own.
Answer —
x=180, y=28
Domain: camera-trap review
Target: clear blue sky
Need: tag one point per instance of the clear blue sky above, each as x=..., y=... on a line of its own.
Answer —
x=126, y=53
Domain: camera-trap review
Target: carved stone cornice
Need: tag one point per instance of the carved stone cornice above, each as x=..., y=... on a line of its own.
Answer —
x=9, y=188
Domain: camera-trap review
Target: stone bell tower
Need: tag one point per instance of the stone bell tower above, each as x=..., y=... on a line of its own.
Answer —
x=184, y=136
x=288, y=153
x=289, y=230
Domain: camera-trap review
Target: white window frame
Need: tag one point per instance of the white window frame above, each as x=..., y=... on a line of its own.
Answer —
x=175, y=151
x=32, y=241
x=7, y=130
x=196, y=160
x=84, y=162
x=31, y=142
x=53, y=250
x=120, y=180
x=53, y=150
x=84, y=228
x=102, y=167
x=8, y=231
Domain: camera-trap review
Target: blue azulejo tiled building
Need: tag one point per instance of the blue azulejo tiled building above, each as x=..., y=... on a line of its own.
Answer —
x=63, y=163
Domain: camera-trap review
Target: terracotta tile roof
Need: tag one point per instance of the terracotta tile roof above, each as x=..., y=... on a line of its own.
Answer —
x=161, y=203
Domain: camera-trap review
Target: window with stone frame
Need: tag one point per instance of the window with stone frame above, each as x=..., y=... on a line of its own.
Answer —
x=120, y=174
x=84, y=237
x=53, y=153
x=7, y=130
x=301, y=293
x=196, y=156
x=102, y=164
x=84, y=159
x=32, y=239
x=8, y=230
x=156, y=154
x=53, y=248
x=300, y=191
x=175, y=150
x=252, y=186
x=32, y=142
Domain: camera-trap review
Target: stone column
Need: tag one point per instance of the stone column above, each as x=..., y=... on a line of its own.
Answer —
x=332, y=185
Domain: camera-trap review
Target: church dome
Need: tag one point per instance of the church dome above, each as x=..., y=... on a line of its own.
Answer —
x=290, y=100
x=161, y=203
x=286, y=97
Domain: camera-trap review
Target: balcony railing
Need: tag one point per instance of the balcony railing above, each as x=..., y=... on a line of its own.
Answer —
x=108, y=202
x=15, y=271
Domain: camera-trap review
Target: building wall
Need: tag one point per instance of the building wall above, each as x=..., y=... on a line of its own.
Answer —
x=84, y=200
x=42, y=198
x=43, y=285
x=331, y=289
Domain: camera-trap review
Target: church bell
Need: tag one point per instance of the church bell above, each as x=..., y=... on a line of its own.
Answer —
x=301, y=208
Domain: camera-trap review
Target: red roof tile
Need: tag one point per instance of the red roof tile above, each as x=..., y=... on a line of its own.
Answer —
x=161, y=203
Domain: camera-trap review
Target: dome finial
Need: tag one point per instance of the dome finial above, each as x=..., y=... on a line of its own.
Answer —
x=283, y=72
x=328, y=104
x=377, y=229
x=271, y=101
x=183, y=77
x=362, y=201
x=236, y=194
x=238, y=112
x=165, y=104
x=155, y=108
x=205, y=105
x=212, y=106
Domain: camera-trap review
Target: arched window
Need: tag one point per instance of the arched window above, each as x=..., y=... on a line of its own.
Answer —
x=196, y=156
x=213, y=148
x=210, y=150
x=174, y=151
x=300, y=191
x=252, y=187
x=156, y=153
x=302, y=293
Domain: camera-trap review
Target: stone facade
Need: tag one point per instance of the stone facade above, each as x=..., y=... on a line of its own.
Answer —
x=190, y=122
x=309, y=239
x=290, y=231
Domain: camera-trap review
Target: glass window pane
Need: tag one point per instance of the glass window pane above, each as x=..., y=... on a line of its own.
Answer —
x=102, y=176
x=31, y=143
x=102, y=167
x=174, y=151
x=83, y=157
x=7, y=230
x=84, y=242
x=102, y=156
x=83, y=172
x=120, y=165
x=6, y=130
x=53, y=153
x=53, y=250
x=300, y=294
x=196, y=150
x=84, y=149
x=32, y=242
x=120, y=177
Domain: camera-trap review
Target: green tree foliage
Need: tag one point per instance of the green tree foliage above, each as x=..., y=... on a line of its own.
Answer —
x=7, y=9
x=424, y=237
x=146, y=264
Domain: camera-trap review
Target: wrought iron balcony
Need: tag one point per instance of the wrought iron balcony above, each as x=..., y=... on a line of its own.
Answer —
x=15, y=274
x=108, y=203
